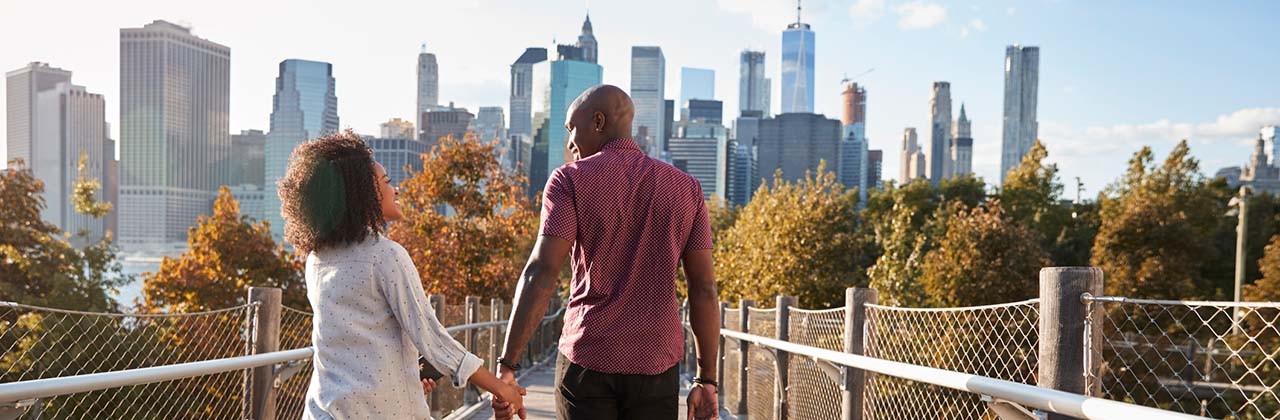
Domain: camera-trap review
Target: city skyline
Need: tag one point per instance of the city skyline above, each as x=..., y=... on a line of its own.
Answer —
x=1092, y=117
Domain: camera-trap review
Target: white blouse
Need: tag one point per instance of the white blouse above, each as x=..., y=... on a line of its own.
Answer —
x=371, y=323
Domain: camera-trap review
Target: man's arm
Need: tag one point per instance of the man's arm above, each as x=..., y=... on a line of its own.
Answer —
x=704, y=309
x=536, y=287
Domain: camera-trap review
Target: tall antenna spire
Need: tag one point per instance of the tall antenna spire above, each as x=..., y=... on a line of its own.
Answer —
x=424, y=47
x=798, y=11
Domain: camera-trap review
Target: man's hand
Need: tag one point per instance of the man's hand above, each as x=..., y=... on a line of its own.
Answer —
x=502, y=408
x=428, y=385
x=702, y=402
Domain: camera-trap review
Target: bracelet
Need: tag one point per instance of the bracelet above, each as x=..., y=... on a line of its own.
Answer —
x=705, y=381
x=513, y=366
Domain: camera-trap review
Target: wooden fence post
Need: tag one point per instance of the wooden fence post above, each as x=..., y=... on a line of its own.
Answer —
x=782, y=358
x=1063, y=329
x=471, y=395
x=266, y=339
x=724, y=306
x=744, y=322
x=855, y=320
x=495, y=334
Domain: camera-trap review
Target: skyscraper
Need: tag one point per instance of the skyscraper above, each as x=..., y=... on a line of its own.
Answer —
x=753, y=87
x=913, y=162
x=305, y=106
x=248, y=158
x=939, y=154
x=1271, y=134
x=490, y=124
x=695, y=83
x=587, y=41
x=526, y=73
x=853, y=140
x=175, y=135
x=744, y=176
x=706, y=111
x=648, y=93
x=428, y=82
x=796, y=143
x=69, y=123
x=569, y=78
x=668, y=119
x=700, y=148
x=962, y=150
x=797, y=66
x=444, y=122
x=397, y=155
x=1021, y=84
x=396, y=128
x=22, y=87
x=875, y=168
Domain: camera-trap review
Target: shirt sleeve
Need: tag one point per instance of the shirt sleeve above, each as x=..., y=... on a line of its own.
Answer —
x=403, y=290
x=700, y=231
x=559, y=211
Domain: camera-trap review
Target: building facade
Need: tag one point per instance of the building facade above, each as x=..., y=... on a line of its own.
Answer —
x=175, y=135
x=798, y=42
x=875, y=169
x=444, y=122
x=695, y=83
x=705, y=110
x=853, y=139
x=248, y=158
x=530, y=82
x=401, y=157
x=569, y=78
x=490, y=124
x=305, y=106
x=1021, y=86
x=587, y=42
x=397, y=128
x=428, y=81
x=701, y=150
x=648, y=93
x=939, y=152
x=753, y=86
x=22, y=86
x=796, y=143
x=70, y=123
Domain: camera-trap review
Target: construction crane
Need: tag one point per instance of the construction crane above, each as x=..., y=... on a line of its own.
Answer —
x=848, y=79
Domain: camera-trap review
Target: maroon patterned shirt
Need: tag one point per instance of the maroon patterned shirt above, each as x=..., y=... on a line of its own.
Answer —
x=630, y=218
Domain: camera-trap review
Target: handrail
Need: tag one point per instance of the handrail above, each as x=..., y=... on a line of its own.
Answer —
x=956, y=309
x=1117, y=299
x=1060, y=402
x=50, y=387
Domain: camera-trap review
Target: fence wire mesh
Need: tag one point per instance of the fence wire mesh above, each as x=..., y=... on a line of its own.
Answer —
x=732, y=370
x=1189, y=356
x=761, y=392
x=998, y=341
x=295, y=333
x=813, y=393
x=43, y=343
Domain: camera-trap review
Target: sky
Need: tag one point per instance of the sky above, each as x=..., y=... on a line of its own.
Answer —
x=1114, y=76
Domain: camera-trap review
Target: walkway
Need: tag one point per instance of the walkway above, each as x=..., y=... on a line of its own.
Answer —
x=541, y=402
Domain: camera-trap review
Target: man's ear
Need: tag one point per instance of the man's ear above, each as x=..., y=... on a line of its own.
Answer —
x=598, y=121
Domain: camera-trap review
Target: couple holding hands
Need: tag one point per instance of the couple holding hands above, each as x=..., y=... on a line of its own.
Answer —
x=626, y=223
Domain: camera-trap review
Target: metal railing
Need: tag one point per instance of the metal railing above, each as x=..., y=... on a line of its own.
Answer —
x=44, y=345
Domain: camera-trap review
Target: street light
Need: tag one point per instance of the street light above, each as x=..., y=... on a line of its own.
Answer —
x=1239, y=207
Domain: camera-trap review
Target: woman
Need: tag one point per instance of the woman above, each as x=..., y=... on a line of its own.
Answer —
x=371, y=315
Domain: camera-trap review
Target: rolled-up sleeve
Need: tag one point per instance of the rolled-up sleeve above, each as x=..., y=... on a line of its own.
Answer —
x=403, y=290
x=559, y=211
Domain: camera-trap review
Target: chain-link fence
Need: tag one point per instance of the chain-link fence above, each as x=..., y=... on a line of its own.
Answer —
x=998, y=341
x=1190, y=356
x=732, y=368
x=295, y=333
x=812, y=392
x=761, y=365
x=43, y=343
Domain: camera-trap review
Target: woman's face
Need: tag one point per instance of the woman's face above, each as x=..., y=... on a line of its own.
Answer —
x=387, y=194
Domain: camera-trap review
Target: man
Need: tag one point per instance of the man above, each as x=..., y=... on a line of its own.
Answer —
x=629, y=221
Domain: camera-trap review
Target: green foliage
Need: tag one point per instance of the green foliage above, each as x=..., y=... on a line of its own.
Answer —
x=793, y=238
x=984, y=258
x=1151, y=242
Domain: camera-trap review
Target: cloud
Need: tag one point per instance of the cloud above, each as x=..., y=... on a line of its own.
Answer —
x=774, y=15
x=920, y=15
x=1234, y=129
x=866, y=11
x=978, y=24
x=1010, y=11
x=964, y=31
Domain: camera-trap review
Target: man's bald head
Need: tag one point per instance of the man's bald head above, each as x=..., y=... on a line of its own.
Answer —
x=600, y=114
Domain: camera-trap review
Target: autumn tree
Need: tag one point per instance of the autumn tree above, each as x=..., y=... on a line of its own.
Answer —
x=984, y=258
x=1155, y=221
x=793, y=238
x=226, y=254
x=38, y=264
x=468, y=225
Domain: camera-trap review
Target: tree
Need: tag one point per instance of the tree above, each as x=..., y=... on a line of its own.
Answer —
x=1266, y=288
x=1155, y=221
x=794, y=238
x=467, y=225
x=896, y=273
x=38, y=264
x=1031, y=196
x=984, y=258
x=226, y=254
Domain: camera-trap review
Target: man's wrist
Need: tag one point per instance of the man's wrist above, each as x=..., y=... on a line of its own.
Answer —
x=505, y=363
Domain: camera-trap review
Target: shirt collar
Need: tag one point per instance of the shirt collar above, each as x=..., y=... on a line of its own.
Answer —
x=620, y=144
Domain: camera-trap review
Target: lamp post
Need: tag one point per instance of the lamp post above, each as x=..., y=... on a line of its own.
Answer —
x=1241, y=209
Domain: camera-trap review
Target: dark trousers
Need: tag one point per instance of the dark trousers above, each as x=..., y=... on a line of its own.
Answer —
x=585, y=394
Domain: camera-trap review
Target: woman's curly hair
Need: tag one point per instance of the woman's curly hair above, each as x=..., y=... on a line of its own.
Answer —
x=329, y=193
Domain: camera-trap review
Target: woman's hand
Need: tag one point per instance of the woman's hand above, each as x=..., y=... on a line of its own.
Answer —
x=509, y=403
x=428, y=385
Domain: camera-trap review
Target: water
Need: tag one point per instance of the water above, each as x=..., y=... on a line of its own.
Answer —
x=135, y=266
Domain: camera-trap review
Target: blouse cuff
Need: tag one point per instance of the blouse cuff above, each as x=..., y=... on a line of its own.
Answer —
x=470, y=363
